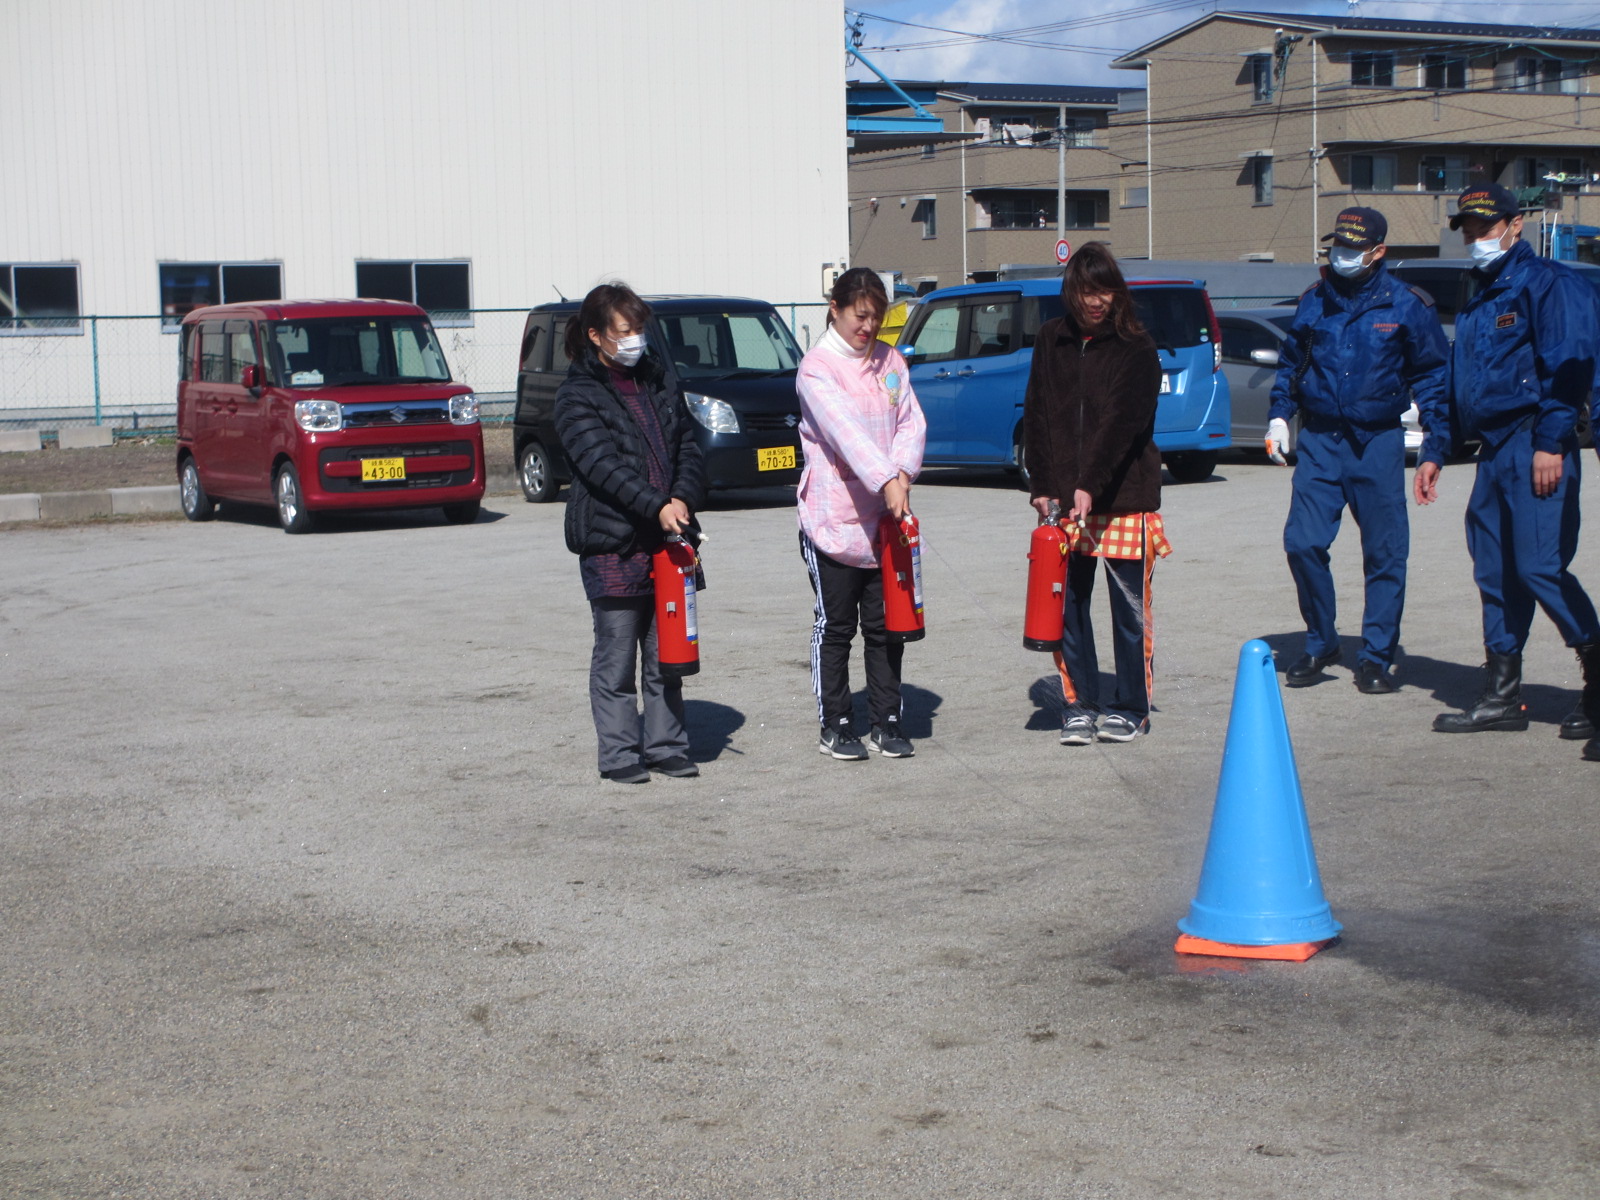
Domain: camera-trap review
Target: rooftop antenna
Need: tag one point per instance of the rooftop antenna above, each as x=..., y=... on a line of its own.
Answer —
x=557, y=291
x=1352, y=8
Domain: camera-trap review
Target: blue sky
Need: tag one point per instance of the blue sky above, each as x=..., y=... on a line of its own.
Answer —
x=1103, y=29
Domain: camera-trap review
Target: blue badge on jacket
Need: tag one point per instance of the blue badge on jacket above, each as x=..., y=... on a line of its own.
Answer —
x=891, y=384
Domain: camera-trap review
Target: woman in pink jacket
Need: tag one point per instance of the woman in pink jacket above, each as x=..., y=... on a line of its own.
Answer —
x=862, y=432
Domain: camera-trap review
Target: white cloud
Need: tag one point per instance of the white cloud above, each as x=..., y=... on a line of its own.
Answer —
x=998, y=62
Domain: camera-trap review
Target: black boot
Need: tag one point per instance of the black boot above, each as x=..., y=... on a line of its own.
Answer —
x=1499, y=707
x=1584, y=719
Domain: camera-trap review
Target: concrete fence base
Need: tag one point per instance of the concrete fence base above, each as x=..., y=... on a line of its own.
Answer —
x=83, y=506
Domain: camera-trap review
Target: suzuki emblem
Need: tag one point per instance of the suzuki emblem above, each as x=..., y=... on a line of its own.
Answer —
x=791, y=420
x=397, y=414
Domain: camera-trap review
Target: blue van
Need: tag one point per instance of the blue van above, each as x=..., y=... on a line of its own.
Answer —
x=970, y=348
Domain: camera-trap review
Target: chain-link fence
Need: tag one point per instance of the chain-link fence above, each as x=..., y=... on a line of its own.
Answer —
x=123, y=371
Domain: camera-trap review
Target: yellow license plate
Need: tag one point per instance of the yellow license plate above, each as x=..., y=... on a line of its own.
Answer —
x=380, y=470
x=775, y=458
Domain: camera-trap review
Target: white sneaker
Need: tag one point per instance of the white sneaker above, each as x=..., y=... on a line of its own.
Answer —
x=1077, y=729
x=1117, y=728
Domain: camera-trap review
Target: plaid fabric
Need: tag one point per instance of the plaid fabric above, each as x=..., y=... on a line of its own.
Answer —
x=1119, y=535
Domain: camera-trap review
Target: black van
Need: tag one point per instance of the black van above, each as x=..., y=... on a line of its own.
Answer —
x=736, y=361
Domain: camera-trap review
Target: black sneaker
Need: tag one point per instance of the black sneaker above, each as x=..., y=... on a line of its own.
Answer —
x=677, y=766
x=841, y=743
x=886, y=740
x=630, y=774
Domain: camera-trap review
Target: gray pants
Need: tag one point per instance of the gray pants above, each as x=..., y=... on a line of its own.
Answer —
x=624, y=625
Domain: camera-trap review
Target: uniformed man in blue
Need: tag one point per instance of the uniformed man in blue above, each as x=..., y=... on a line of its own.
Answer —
x=1522, y=369
x=1362, y=347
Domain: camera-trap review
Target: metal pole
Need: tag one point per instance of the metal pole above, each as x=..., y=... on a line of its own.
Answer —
x=966, y=217
x=94, y=351
x=1316, y=153
x=1061, y=171
x=1149, y=163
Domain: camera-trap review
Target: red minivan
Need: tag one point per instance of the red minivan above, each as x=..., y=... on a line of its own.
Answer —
x=322, y=405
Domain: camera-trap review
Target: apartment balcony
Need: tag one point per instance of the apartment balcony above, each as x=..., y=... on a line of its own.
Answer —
x=1418, y=218
x=1415, y=116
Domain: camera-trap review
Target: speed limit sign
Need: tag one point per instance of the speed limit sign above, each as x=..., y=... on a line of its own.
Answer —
x=1063, y=250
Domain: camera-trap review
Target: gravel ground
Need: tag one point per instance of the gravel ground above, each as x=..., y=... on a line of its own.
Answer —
x=309, y=888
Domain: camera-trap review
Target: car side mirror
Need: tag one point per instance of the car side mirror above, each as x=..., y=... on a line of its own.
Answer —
x=250, y=379
x=1264, y=358
x=906, y=352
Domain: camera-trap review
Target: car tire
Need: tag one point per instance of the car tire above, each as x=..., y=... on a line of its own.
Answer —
x=536, y=474
x=197, y=506
x=1019, y=451
x=1191, y=466
x=462, y=514
x=292, y=512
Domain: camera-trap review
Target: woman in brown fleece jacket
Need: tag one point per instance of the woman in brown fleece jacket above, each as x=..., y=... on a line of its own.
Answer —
x=1089, y=426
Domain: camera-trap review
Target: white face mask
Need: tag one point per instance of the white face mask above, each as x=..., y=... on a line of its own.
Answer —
x=1346, y=262
x=629, y=350
x=1487, y=252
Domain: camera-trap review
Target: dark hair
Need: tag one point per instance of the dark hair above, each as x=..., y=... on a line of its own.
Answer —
x=1093, y=269
x=599, y=307
x=859, y=283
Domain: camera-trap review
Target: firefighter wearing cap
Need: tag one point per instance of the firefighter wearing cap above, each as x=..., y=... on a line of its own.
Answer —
x=1522, y=370
x=1362, y=346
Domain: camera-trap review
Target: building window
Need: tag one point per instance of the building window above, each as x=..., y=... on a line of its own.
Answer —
x=1261, y=179
x=1372, y=172
x=39, y=299
x=928, y=150
x=1024, y=209
x=1445, y=173
x=1261, y=77
x=1136, y=197
x=1546, y=75
x=187, y=286
x=443, y=289
x=925, y=213
x=1440, y=72
x=1372, y=68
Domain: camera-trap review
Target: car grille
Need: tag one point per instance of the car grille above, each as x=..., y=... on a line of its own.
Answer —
x=762, y=421
x=407, y=412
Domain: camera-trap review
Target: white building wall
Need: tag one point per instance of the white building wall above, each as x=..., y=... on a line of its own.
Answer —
x=682, y=145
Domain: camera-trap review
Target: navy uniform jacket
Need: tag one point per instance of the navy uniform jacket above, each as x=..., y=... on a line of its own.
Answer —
x=1524, y=353
x=1375, y=346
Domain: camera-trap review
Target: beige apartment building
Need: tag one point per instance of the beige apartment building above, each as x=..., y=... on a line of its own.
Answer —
x=1017, y=167
x=1259, y=127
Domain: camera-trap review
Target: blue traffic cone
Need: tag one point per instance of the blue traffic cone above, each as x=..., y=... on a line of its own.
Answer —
x=1260, y=893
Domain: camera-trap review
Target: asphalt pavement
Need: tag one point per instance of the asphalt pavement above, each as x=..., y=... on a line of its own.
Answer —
x=309, y=887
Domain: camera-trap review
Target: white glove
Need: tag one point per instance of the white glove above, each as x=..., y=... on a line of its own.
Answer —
x=1277, y=440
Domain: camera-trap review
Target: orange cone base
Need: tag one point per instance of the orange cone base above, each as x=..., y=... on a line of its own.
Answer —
x=1289, y=952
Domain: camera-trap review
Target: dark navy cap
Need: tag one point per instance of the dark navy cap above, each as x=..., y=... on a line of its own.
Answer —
x=1358, y=227
x=1489, y=201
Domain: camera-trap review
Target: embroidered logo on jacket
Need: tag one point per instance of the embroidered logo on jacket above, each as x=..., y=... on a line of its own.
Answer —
x=1385, y=326
x=891, y=384
x=1505, y=320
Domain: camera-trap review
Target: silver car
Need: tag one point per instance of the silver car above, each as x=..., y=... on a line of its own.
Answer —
x=1251, y=338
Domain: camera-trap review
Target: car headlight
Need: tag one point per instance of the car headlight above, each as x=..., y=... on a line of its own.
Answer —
x=319, y=416
x=716, y=415
x=464, y=410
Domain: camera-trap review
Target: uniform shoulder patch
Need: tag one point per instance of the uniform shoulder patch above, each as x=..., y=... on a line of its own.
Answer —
x=1505, y=320
x=1424, y=295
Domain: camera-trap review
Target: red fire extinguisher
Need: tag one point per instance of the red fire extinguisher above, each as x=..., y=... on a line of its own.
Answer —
x=900, y=554
x=677, y=631
x=1047, y=583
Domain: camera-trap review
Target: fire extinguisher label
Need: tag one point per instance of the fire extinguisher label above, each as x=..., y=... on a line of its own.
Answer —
x=916, y=575
x=691, y=627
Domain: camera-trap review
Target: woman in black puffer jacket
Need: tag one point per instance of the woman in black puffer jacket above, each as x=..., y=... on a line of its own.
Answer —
x=637, y=476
